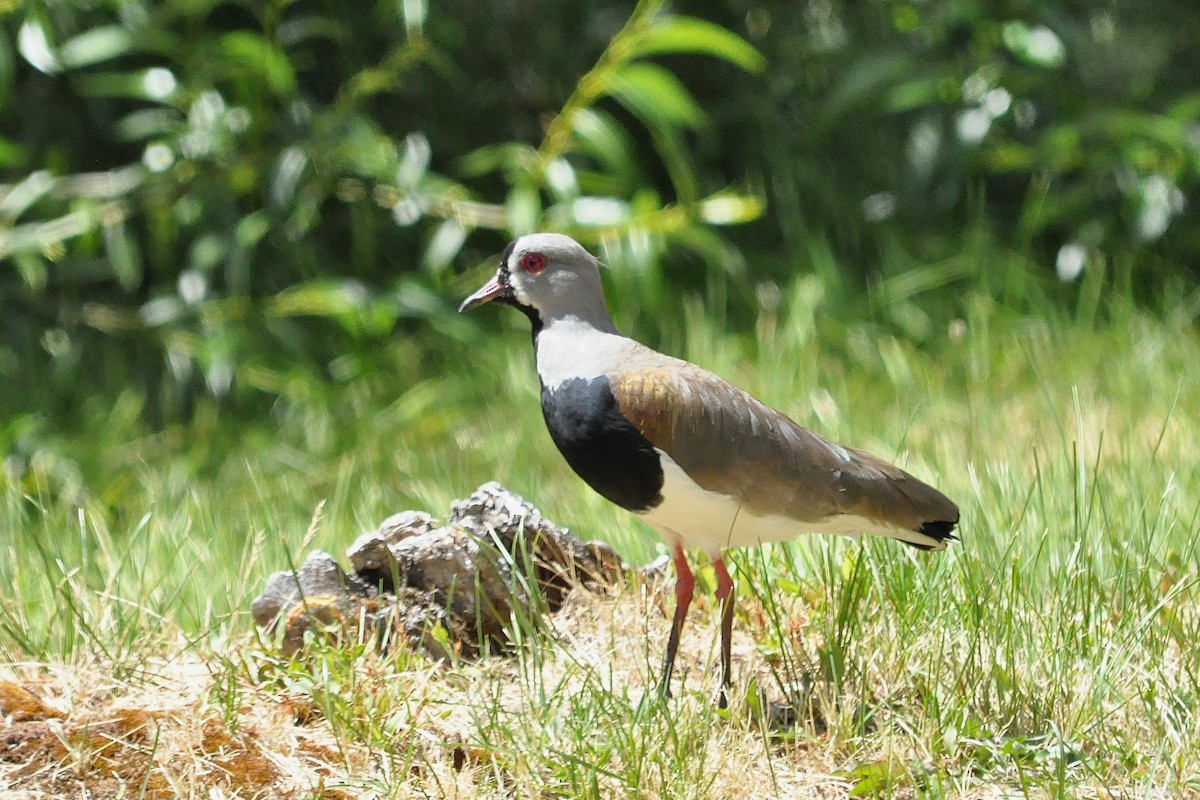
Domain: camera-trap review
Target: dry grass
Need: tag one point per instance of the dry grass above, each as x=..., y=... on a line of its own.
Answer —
x=76, y=732
x=243, y=724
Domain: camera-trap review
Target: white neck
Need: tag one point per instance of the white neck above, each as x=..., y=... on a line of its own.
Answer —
x=574, y=347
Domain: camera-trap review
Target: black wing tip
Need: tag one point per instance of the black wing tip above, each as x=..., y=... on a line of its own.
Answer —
x=942, y=530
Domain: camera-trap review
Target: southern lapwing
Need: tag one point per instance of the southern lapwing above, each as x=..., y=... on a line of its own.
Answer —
x=700, y=460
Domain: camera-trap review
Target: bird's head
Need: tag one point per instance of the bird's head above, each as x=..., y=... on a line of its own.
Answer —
x=549, y=277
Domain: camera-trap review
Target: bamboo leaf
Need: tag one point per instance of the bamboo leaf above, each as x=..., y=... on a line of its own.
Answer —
x=655, y=96
x=34, y=44
x=680, y=34
x=319, y=298
x=523, y=208
x=445, y=244
x=154, y=84
x=602, y=138
x=123, y=254
x=96, y=45
x=29, y=190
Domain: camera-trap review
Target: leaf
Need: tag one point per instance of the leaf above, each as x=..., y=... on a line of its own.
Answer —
x=602, y=138
x=494, y=158
x=252, y=228
x=48, y=236
x=913, y=94
x=29, y=190
x=414, y=12
x=155, y=84
x=669, y=144
x=595, y=212
x=445, y=244
x=654, y=95
x=318, y=298
x=162, y=311
x=414, y=162
x=561, y=180
x=288, y=170
x=680, y=34
x=523, y=208
x=8, y=73
x=877, y=778
x=34, y=44
x=253, y=52
x=727, y=208
x=123, y=254
x=98, y=44
x=12, y=154
x=1036, y=45
x=145, y=123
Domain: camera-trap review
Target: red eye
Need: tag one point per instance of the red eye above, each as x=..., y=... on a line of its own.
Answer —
x=533, y=263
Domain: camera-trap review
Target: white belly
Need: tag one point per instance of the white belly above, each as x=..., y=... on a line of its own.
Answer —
x=710, y=521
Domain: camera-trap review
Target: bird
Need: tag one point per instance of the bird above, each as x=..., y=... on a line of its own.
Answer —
x=701, y=461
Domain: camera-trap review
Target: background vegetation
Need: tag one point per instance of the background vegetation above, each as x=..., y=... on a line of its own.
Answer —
x=233, y=235
x=211, y=204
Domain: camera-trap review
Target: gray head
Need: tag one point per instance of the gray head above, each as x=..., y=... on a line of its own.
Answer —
x=549, y=277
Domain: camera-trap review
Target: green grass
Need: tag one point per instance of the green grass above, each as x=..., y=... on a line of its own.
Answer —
x=1050, y=654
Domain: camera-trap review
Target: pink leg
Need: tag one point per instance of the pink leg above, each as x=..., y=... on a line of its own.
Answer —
x=685, y=582
x=725, y=596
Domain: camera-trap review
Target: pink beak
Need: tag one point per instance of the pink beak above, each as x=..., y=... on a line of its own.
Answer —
x=489, y=292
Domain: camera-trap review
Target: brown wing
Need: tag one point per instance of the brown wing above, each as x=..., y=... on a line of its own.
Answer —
x=728, y=442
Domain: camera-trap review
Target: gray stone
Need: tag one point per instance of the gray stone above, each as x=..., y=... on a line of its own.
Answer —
x=369, y=554
x=444, y=590
x=558, y=559
x=405, y=524
x=425, y=624
x=316, y=594
x=464, y=572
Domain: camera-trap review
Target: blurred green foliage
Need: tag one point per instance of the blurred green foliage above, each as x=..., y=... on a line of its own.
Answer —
x=899, y=129
x=223, y=199
x=231, y=203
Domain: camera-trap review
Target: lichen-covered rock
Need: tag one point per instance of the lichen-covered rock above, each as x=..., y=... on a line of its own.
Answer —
x=465, y=572
x=425, y=624
x=444, y=590
x=369, y=554
x=559, y=559
x=405, y=524
x=317, y=594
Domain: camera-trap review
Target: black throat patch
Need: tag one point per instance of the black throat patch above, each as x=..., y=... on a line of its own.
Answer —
x=601, y=445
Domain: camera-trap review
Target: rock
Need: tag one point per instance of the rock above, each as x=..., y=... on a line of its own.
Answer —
x=463, y=571
x=493, y=510
x=560, y=560
x=316, y=594
x=425, y=624
x=369, y=554
x=406, y=524
x=444, y=590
